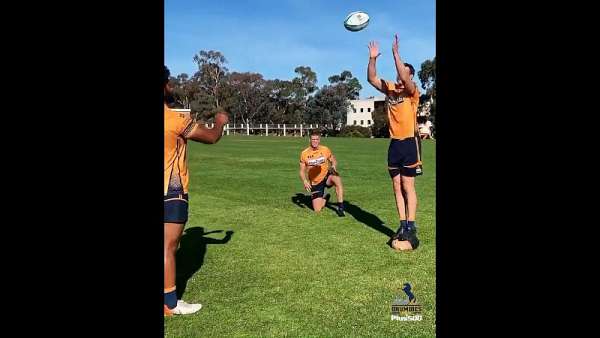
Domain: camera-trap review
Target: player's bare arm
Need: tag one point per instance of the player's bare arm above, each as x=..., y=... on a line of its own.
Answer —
x=371, y=69
x=333, y=164
x=402, y=71
x=209, y=135
x=305, y=182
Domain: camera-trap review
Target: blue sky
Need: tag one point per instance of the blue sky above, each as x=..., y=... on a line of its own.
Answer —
x=272, y=37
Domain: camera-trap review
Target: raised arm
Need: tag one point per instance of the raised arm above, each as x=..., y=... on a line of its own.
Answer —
x=371, y=69
x=209, y=135
x=402, y=71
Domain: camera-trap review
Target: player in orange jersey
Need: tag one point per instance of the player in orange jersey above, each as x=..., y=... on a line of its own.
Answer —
x=179, y=128
x=316, y=159
x=404, y=152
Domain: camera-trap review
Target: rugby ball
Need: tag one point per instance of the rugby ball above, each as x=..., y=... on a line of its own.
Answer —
x=356, y=21
x=399, y=245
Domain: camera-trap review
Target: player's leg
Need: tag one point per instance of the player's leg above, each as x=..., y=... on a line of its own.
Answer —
x=175, y=217
x=318, y=203
x=336, y=180
x=408, y=186
x=318, y=195
x=409, y=170
x=172, y=235
x=398, y=194
x=394, y=164
x=406, y=236
x=411, y=167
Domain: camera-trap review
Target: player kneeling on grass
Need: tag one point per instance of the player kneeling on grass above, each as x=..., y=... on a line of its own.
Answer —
x=316, y=160
x=178, y=129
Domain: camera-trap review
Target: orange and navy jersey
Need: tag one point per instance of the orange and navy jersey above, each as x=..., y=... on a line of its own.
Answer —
x=317, y=162
x=177, y=127
x=401, y=111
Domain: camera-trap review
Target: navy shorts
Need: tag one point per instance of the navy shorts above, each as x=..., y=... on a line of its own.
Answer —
x=176, y=208
x=318, y=190
x=404, y=156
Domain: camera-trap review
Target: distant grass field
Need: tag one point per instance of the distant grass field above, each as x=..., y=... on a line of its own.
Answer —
x=286, y=271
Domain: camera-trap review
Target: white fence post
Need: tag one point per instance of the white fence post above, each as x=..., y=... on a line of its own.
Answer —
x=247, y=128
x=267, y=129
x=300, y=129
x=227, y=128
x=284, y=129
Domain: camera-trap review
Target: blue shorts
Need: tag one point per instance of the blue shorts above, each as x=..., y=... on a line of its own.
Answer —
x=176, y=208
x=318, y=190
x=404, y=156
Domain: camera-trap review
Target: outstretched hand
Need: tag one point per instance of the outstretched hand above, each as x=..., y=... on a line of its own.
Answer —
x=373, y=49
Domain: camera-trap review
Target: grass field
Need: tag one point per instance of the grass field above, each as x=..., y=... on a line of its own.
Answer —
x=286, y=271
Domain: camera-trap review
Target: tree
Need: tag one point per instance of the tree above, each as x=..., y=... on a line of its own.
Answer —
x=348, y=83
x=306, y=81
x=380, y=122
x=184, y=90
x=331, y=103
x=283, y=105
x=328, y=106
x=302, y=86
x=427, y=75
x=211, y=71
x=246, y=95
x=355, y=131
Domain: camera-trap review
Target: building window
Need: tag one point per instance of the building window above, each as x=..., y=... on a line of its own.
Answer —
x=361, y=110
x=362, y=122
x=369, y=122
x=369, y=110
x=354, y=122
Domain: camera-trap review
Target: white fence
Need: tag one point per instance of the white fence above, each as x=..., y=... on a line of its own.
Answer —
x=269, y=129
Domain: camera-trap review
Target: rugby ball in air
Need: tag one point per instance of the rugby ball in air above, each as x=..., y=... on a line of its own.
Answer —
x=356, y=21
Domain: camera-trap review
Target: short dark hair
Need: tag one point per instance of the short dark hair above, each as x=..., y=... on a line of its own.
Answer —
x=166, y=75
x=412, y=69
x=315, y=132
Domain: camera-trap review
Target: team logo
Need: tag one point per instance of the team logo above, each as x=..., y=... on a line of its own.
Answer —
x=316, y=161
x=394, y=100
x=405, y=307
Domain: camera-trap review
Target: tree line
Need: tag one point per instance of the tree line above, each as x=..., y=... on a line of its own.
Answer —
x=250, y=98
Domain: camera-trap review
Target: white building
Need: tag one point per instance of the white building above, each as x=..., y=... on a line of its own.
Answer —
x=360, y=112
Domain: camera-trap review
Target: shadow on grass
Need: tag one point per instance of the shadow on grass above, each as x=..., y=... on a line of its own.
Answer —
x=191, y=252
x=367, y=218
x=303, y=201
x=351, y=209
